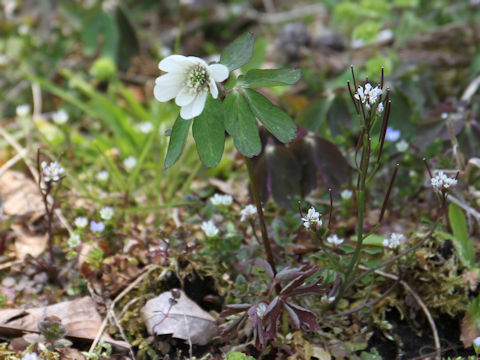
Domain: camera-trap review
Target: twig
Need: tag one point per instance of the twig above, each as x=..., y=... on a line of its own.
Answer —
x=5, y=167
x=471, y=211
x=100, y=332
x=420, y=303
x=122, y=333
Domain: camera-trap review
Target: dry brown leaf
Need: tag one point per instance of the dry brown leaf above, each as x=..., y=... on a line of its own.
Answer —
x=183, y=320
x=20, y=195
x=470, y=278
x=468, y=331
x=80, y=318
x=27, y=243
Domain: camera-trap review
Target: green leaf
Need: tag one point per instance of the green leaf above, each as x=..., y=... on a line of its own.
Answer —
x=272, y=117
x=209, y=132
x=275, y=77
x=460, y=232
x=259, y=52
x=177, y=141
x=241, y=125
x=238, y=53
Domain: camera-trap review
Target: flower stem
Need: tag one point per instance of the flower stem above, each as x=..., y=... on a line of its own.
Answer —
x=258, y=204
x=361, y=212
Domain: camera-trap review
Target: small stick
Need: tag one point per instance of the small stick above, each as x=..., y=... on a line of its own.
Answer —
x=420, y=303
x=129, y=288
x=331, y=207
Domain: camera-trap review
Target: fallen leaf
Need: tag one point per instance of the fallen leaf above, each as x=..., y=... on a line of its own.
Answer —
x=79, y=317
x=20, y=195
x=468, y=331
x=27, y=243
x=182, y=318
x=22, y=199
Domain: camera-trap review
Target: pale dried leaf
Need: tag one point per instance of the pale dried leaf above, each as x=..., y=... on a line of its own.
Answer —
x=20, y=195
x=80, y=318
x=27, y=243
x=468, y=331
x=184, y=320
x=470, y=278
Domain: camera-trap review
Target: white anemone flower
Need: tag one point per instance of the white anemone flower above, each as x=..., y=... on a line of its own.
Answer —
x=188, y=80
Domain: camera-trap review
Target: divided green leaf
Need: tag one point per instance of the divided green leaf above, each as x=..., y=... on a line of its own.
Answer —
x=177, y=141
x=272, y=117
x=270, y=77
x=209, y=132
x=239, y=52
x=240, y=123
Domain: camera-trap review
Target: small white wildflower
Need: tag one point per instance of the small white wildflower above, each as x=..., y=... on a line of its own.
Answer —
x=23, y=110
x=188, y=80
x=394, y=241
x=60, y=117
x=145, y=127
x=74, y=240
x=209, y=228
x=444, y=116
x=80, y=222
x=247, y=211
x=442, y=182
x=260, y=309
x=346, y=194
x=52, y=172
x=130, y=163
x=219, y=199
x=380, y=109
x=102, y=176
x=312, y=218
x=368, y=95
x=402, y=146
x=30, y=356
x=106, y=213
x=327, y=299
x=335, y=240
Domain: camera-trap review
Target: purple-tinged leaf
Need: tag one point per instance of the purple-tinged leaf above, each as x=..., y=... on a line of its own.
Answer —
x=307, y=318
x=234, y=325
x=234, y=309
x=288, y=273
x=293, y=316
x=268, y=268
x=271, y=316
x=310, y=289
x=305, y=272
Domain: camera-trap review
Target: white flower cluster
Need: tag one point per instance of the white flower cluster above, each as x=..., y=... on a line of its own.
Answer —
x=369, y=95
x=312, y=218
x=442, y=182
x=188, y=80
x=23, y=110
x=247, y=211
x=394, y=241
x=81, y=222
x=219, y=199
x=52, y=172
x=209, y=228
x=334, y=240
